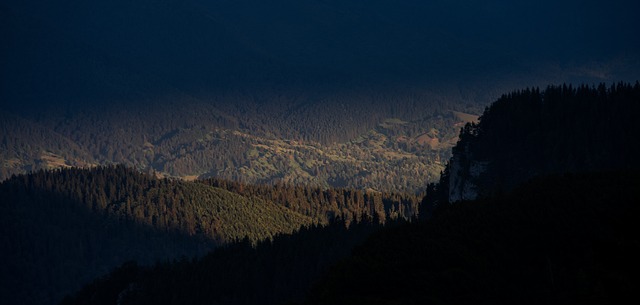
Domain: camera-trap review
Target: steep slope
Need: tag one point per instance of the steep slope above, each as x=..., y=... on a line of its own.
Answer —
x=555, y=240
x=53, y=244
x=273, y=272
x=62, y=228
x=554, y=176
x=326, y=205
x=531, y=133
x=192, y=208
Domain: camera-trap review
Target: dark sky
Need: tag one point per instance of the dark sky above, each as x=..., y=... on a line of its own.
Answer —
x=85, y=51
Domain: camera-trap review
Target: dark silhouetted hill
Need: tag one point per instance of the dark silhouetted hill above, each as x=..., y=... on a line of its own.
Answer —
x=273, y=272
x=536, y=206
x=533, y=133
x=554, y=240
x=565, y=236
x=62, y=228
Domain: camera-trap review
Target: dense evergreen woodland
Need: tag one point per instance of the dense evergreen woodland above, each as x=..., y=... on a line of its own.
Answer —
x=324, y=205
x=567, y=236
x=63, y=227
x=537, y=205
x=553, y=240
x=561, y=228
x=566, y=239
x=531, y=133
x=364, y=140
x=277, y=271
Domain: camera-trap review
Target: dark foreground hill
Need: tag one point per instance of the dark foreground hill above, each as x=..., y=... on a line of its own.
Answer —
x=567, y=236
x=52, y=244
x=273, y=272
x=554, y=240
x=62, y=228
x=564, y=237
x=534, y=132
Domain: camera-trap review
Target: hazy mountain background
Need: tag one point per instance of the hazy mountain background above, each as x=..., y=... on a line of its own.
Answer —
x=157, y=84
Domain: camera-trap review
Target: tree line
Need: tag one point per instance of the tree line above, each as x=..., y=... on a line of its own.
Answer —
x=535, y=132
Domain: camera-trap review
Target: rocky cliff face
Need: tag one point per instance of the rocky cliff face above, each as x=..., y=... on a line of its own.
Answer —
x=465, y=175
x=531, y=133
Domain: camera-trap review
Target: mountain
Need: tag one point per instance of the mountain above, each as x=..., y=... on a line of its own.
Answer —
x=319, y=110
x=553, y=240
x=557, y=236
x=193, y=208
x=65, y=227
x=348, y=144
x=533, y=133
x=277, y=271
x=536, y=206
x=53, y=242
x=28, y=146
x=231, y=89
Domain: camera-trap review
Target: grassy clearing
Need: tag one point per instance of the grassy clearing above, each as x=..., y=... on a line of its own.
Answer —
x=53, y=160
x=466, y=117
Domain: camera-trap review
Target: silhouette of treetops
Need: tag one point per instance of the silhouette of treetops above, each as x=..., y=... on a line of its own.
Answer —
x=64, y=227
x=324, y=205
x=53, y=242
x=530, y=133
x=193, y=208
x=565, y=238
x=552, y=240
x=217, y=209
x=271, y=272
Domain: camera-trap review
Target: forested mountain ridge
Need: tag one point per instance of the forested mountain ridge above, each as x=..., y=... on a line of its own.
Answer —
x=553, y=240
x=536, y=206
x=329, y=116
x=352, y=145
x=192, y=208
x=166, y=85
x=536, y=132
x=325, y=205
x=274, y=272
x=54, y=242
x=64, y=227
x=28, y=146
x=562, y=235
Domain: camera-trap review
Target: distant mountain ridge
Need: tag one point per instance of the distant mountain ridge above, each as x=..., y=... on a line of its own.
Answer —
x=349, y=144
x=152, y=84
